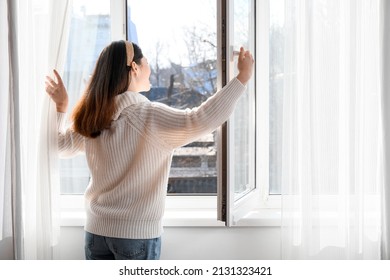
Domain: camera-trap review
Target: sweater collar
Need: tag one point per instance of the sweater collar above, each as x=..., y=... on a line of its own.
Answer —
x=127, y=99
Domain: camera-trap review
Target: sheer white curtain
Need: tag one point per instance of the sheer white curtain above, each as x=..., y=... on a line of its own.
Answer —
x=331, y=174
x=48, y=181
x=40, y=34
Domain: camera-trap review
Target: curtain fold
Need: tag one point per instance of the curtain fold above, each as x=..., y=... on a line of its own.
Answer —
x=385, y=82
x=331, y=165
x=4, y=109
x=14, y=147
x=7, y=137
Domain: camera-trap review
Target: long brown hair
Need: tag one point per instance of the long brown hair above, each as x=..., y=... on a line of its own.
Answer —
x=95, y=109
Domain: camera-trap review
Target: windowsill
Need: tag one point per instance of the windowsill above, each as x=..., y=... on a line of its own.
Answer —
x=191, y=218
x=208, y=218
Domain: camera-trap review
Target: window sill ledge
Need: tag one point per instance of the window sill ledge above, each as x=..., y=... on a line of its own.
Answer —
x=192, y=218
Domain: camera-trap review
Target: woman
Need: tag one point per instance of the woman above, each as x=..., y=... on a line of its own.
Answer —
x=129, y=142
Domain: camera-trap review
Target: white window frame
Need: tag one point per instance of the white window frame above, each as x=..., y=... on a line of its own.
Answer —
x=260, y=208
x=118, y=21
x=267, y=201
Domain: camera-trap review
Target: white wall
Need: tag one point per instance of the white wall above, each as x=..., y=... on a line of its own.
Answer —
x=194, y=243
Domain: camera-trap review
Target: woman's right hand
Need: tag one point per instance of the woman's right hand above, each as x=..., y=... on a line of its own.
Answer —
x=245, y=66
x=57, y=92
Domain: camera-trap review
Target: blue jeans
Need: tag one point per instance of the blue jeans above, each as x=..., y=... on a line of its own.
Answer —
x=107, y=248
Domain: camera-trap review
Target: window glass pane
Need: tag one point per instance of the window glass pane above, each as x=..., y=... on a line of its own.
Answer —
x=179, y=39
x=89, y=34
x=243, y=119
x=276, y=72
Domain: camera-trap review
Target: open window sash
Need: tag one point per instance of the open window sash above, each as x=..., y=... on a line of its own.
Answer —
x=238, y=192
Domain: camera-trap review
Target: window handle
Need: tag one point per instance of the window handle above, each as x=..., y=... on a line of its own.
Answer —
x=233, y=53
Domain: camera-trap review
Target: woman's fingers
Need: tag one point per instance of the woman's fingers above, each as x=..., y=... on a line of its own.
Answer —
x=58, y=77
x=242, y=54
x=50, y=81
x=245, y=54
x=245, y=65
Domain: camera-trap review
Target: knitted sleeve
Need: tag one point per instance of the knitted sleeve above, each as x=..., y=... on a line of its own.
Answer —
x=70, y=143
x=180, y=127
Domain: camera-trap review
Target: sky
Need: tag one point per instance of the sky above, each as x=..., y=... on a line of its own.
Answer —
x=157, y=22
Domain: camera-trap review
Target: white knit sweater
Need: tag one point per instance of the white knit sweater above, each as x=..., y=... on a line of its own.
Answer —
x=130, y=161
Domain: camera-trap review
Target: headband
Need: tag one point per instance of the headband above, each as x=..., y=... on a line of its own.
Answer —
x=129, y=52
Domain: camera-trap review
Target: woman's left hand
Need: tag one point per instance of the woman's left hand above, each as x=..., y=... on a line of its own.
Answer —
x=57, y=92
